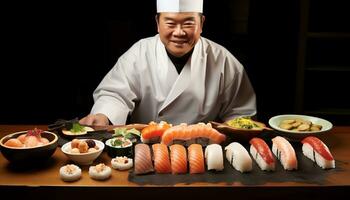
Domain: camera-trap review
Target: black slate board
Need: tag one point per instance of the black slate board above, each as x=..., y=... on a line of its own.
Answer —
x=308, y=172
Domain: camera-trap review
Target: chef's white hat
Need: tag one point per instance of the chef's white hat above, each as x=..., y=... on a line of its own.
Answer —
x=180, y=6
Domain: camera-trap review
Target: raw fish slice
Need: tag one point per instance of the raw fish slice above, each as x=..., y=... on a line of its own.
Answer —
x=284, y=151
x=161, y=158
x=238, y=157
x=184, y=132
x=317, y=151
x=262, y=154
x=143, y=161
x=214, y=157
x=178, y=158
x=196, y=159
x=153, y=132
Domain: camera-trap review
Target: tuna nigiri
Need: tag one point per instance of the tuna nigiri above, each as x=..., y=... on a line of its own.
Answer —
x=161, y=158
x=153, y=132
x=183, y=132
x=262, y=154
x=317, y=151
x=214, y=157
x=143, y=162
x=196, y=159
x=178, y=158
x=238, y=157
x=284, y=151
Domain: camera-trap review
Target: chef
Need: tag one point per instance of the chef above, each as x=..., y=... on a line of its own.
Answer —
x=175, y=76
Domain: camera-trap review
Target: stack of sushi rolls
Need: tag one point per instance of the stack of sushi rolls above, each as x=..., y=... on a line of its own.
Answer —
x=238, y=157
x=70, y=173
x=214, y=157
x=262, y=154
x=285, y=153
x=314, y=149
x=121, y=163
x=100, y=172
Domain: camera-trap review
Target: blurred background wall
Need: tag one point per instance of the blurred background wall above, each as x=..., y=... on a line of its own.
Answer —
x=55, y=54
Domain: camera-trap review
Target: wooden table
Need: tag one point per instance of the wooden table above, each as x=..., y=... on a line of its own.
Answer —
x=45, y=180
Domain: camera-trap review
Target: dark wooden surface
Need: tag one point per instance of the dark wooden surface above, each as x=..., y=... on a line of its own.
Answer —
x=45, y=179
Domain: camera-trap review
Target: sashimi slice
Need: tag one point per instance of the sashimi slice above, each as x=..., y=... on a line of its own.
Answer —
x=196, y=159
x=161, y=158
x=214, y=157
x=178, y=157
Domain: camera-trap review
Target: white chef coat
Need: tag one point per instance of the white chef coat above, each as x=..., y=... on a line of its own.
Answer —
x=144, y=84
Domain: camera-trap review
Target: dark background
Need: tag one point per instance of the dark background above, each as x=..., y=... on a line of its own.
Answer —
x=55, y=54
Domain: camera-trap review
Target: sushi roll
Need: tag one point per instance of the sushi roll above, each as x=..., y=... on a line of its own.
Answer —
x=284, y=151
x=262, y=154
x=70, y=173
x=317, y=151
x=100, y=172
x=153, y=132
x=143, y=159
x=214, y=157
x=121, y=163
x=178, y=157
x=196, y=159
x=238, y=157
x=161, y=158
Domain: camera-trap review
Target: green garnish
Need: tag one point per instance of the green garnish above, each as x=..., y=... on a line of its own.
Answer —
x=77, y=128
x=116, y=142
x=126, y=133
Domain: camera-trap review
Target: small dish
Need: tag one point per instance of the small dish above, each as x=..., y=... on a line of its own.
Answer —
x=119, y=150
x=239, y=134
x=295, y=135
x=83, y=158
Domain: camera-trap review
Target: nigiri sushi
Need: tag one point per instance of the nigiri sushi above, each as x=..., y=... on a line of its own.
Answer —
x=317, y=151
x=196, y=159
x=153, y=132
x=262, y=154
x=161, y=158
x=202, y=133
x=178, y=158
x=238, y=157
x=100, y=172
x=214, y=157
x=121, y=163
x=70, y=173
x=284, y=151
x=143, y=161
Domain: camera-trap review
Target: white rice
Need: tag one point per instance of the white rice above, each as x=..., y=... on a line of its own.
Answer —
x=309, y=152
x=70, y=173
x=260, y=161
x=100, y=172
x=117, y=163
x=239, y=157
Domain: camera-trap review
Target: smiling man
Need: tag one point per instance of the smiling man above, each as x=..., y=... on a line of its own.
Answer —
x=175, y=76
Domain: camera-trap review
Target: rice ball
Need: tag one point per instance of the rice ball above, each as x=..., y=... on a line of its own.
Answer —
x=70, y=173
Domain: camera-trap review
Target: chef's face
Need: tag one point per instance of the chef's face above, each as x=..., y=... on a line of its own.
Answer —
x=179, y=32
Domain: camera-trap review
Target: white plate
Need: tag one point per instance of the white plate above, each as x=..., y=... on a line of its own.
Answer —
x=275, y=121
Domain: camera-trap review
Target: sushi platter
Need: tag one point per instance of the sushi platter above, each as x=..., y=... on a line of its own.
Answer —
x=216, y=167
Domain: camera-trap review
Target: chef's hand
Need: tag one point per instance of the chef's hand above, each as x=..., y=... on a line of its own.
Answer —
x=95, y=120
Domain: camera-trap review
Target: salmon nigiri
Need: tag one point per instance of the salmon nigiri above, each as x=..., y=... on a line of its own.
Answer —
x=161, y=158
x=262, y=154
x=178, y=158
x=317, y=151
x=196, y=159
x=284, y=151
x=143, y=161
x=183, y=132
x=154, y=131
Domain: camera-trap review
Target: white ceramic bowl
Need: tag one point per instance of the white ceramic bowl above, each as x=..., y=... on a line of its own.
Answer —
x=275, y=121
x=83, y=158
